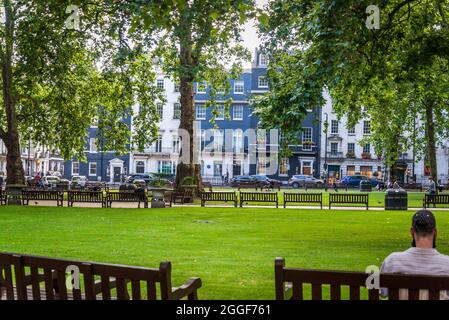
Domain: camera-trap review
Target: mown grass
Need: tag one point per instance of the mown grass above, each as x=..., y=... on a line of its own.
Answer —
x=232, y=250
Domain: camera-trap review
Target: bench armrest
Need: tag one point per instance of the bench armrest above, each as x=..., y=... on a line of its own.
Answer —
x=188, y=289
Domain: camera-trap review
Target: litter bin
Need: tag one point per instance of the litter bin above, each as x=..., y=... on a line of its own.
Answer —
x=366, y=186
x=396, y=199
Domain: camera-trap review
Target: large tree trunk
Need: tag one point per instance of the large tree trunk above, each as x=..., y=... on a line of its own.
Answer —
x=430, y=138
x=14, y=167
x=188, y=166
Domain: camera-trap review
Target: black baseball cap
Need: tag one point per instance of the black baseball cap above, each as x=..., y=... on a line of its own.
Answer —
x=424, y=221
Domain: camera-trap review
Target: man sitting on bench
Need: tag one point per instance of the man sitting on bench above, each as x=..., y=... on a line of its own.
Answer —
x=422, y=257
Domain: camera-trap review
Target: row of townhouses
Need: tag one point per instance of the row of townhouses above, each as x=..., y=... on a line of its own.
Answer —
x=234, y=144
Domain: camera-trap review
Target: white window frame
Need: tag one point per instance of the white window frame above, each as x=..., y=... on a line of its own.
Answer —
x=175, y=109
x=259, y=82
x=200, y=85
x=73, y=167
x=238, y=84
x=284, y=165
x=202, y=115
x=234, y=113
x=237, y=140
x=176, y=144
x=337, y=126
x=90, y=168
x=160, y=84
x=160, y=110
x=218, y=140
x=93, y=147
x=137, y=164
x=366, y=128
x=221, y=111
x=263, y=61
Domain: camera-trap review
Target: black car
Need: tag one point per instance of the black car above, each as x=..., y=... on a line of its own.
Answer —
x=148, y=178
x=243, y=181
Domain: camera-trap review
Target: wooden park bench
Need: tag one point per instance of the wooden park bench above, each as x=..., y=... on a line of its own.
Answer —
x=303, y=198
x=42, y=195
x=348, y=198
x=270, y=197
x=127, y=196
x=218, y=196
x=86, y=197
x=3, y=196
x=24, y=277
x=435, y=199
x=290, y=284
x=184, y=196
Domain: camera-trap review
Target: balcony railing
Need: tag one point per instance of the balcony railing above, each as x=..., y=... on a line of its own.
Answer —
x=335, y=155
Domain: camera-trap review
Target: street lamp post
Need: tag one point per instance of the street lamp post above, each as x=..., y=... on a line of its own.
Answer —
x=326, y=126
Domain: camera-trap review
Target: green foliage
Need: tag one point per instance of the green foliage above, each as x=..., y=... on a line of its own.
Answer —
x=64, y=79
x=394, y=72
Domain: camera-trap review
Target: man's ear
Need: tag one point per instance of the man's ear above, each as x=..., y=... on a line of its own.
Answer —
x=435, y=233
x=412, y=232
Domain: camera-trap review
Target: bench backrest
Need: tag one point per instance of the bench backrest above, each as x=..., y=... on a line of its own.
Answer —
x=127, y=196
x=437, y=198
x=303, y=197
x=218, y=196
x=85, y=196
x=321, y=281
x=42, y=194
x=259, y=196
x=348, y=198
x=24, y=275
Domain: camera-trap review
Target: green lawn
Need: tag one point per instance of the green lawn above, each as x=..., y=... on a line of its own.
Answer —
x=233, y=253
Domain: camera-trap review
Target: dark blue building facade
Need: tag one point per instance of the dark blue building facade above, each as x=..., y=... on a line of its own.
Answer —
x=99, y=166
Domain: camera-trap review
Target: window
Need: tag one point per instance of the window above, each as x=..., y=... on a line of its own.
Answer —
x=165, y=167
x=334, y=126
x=366, y=127
x=306, y=168
x=176, y=146
x=334, y=148
x=262, y=166
x=367, y=148
x=237, y=139
x=283, y=167
x=350, y=170
x=263, y=82
x=351, y=130
x=351, y=148
x=238, y=113
x=93, y=145
x=307, y=138
x=160, y=110
x=160, y=84
x=366, y=171
x=262, y=60
x=92, y=168
x=239, y=86
x=158, y=145
x=140, y=167
x=218, y=140
x=75, y=168
x=177, y=111
x=218, y=169
x=201, y=87
x=200, y=112
x=176, y=86
x=219, y=113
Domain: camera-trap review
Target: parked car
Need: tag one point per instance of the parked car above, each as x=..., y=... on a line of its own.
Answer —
x=354, y=181
x=272, y=183
x=50, y=181
x=297, y=181
x=244, y=181
x=147, y=177
x=78, y=182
